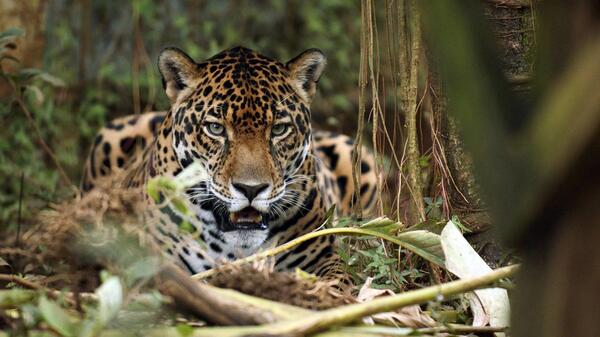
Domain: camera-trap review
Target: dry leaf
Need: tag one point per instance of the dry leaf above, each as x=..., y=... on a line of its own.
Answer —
x=488, y=305
x=411, y=316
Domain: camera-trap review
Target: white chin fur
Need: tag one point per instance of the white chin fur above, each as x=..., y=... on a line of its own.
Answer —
x=245, y=242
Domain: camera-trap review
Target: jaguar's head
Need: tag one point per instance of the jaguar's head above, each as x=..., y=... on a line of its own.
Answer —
x=246, y=118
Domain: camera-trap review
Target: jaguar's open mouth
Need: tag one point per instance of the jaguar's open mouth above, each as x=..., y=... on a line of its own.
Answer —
x=248, y=218
x=245, y=219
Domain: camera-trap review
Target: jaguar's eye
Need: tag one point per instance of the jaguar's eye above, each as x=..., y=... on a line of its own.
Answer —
x=215, y=129
x=279, y=129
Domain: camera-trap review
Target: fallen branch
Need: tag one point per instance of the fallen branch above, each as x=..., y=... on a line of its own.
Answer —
x=223, y=306
x=33, y=290
x=346, y=314
x=20, y=281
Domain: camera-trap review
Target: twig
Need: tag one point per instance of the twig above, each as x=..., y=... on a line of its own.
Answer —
x=21, y=281
x=456, y=328
x=52, y=293
x=20, y=252
x=393, y=331
x=19, y=211
x=43, y=143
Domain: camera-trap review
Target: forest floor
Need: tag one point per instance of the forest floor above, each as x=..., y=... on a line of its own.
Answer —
x=86, y=269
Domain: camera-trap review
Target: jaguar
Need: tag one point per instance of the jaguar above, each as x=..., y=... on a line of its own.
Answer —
x=245, y=119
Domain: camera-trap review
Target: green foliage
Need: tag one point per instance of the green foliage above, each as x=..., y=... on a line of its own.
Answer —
x=380, y=262
x=385, y=269
x=20, y=147
x=110, y=301
x=383, y=260
x=433, y=208
x=96, y=77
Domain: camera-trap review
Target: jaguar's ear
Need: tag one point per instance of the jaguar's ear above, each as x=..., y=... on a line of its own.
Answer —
x=178, y=72
x=305, y=71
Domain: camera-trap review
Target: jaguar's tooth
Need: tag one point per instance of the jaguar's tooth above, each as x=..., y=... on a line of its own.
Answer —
x=257, y=217
x=234, y=217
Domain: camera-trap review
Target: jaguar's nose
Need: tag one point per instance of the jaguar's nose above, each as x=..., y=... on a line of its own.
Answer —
x=250, y=191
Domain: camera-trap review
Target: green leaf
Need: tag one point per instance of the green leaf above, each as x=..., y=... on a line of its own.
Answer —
x=10, y=33
x=30, y=315
x=184, y=330
x=460, y=226
x=431, y=225
x=13, y=298
x=51, y=79
x=180, y=205
x=28, y=73
x=329, y=217
x=37, y=96
x=383, y=225
x=305, y=275
x=423, y=243
x=187, y=227
x=153, y=189
x=57, y=318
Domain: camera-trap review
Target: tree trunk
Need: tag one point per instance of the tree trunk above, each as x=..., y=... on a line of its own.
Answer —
x=513, y=25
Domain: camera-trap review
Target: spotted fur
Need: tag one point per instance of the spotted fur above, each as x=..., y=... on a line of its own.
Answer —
x=246, y=119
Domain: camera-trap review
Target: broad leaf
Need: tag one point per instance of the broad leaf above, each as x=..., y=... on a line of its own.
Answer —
x=13, y=298
x=383, y=225
x=141, y=269
x=423, y=243
x=110, y=297
x=51, y=79
x=57, y=318
x=488, y=305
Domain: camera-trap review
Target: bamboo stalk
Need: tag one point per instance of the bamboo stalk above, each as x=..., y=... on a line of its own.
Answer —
x=352, y=312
